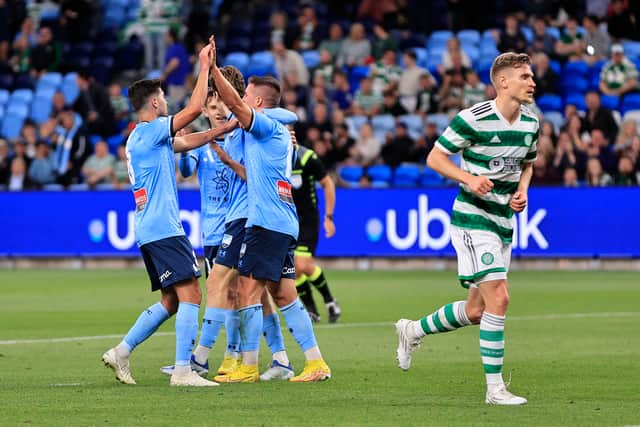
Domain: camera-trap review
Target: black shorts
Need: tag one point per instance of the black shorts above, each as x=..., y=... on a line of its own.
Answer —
x=169, y=261
x=267, y=255
x=229, y=250
x=210, y=253
x=307, y=240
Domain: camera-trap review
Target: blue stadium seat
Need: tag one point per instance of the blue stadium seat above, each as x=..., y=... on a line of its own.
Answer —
x=473, y=53
x=431, y=178
x=553, y=32
x=441, y=120
x=4, y=96
x=556, y=118
x=383, y=123
x=355, y=123
x=240, y=60
x=556, y=67
x=114, y=17
x=239, y=44
x=261, y=64
x=571, y=84
x=52, y=187
x=631, y=49
x=17, y=108
x=596, y=68
x=421, y=56
x=406, y=175
x=49, y=80
x=311, y=58
x=549, y=103
x=130, y=56
x=576, y=99
x=439, y=38
x=527, y=32
x=630, y=102
x=576, y=69
x=12, y=125
x=154, y=74
x=414, y=122
x=610, y=102
x=469, y=36
x=22, y=95
x=1, y=113
x=488, y=52
x=488, y=44
x=70, y=91
x=351, y=174
x=356, y=74
x=41, y=109
x=101, y=68
x=380, y=175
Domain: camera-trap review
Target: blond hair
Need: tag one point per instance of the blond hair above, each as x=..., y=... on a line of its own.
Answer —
x=508, y=60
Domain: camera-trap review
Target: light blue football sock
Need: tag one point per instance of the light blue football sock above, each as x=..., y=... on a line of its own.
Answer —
x=232, y=326
x=250, y=327
x=186, y=332
x=212, y=322
x=147, y=323
x=299, y=323
x=273, y=333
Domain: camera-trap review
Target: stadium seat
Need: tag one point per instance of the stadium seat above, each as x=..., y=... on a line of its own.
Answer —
x=414, y=123
x=41, y=109
x=406, y=175
x=21, y=95
x=383, y=123
x=52, y=187
x=130, y=56
x=556, y=67
x=356, y=74
x=311, y=58
x=101, y=68
x=577, y=99
x=610, y=102
x=4, y=96
x=421, y=56
x=441, y=120
x=79, y=187
x=573, y=84
x=114, y=17
x=630, y=102
x=261, y=64
x=380, y=175
x=12, y=125
x=556, y=118
x=240, y=60
x=631, y=49
x=527, y=32
x=633, y=115
x=354, y=123
x=430, y=178
x=439, y=38
x=574, y=69
x=70, y=91
x=239, y=44
x=469, y=36
x=17, y=108
x=553, y=32
x=351, y=174
x=550, y=103
x=473, y=53
x=50, y=80
x=489, y=52
x=154, y=74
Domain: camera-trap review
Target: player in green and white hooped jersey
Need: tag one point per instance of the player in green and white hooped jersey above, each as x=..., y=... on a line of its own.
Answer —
x=497, y=140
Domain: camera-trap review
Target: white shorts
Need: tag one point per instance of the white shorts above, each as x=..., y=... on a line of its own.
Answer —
x=482, y=256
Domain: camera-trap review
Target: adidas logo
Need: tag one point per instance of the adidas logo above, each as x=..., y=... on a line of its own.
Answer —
x=495, y=139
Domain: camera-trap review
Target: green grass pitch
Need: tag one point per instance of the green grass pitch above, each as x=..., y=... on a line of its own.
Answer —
x=572, y=346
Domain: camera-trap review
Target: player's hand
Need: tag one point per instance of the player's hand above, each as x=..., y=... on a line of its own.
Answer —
x=213, y=52
x=206, y=56
x=480, y=185
x=329, y=227
x=518, y=201
x=231, y=125
x=293, y=137
x=222, y=155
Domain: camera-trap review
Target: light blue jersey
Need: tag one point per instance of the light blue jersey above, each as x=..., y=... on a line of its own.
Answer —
x=235, y=148
x=152, y=172
x=269, y=160
x=215, y=185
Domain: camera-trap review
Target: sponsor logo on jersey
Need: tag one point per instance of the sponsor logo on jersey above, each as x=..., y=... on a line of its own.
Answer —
x=296, y=181
x=288, y=270
x=164, y=276
x=495, y=139
x=284, y=191
x=141, y=199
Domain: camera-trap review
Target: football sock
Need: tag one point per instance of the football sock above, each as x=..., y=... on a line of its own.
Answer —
x=232, y=326
x=304, y=292
x=492, y=347
x=212, y=322
x=448, y=318
x=299, y=324
x=250, y=331
x=273, y=333
x=147, y=323
x=313, y=353
x=319, y=282
x=186, y=332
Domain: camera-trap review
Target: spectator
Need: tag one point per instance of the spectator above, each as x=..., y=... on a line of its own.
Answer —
x=547, y=129
x=627, y=137
x=326, y=68
x=341, y=91
x=289, y=61
x=626, y=176
x=598, y=147
x=597, y=42
x=47, y=53
x=279, y=33
x=450, y=97
x=94, y=105
x=334, y=43
x=76, y=18
x=29, y=135
x=543, y=173
x=542, y=42
x=98, y=169
x=5, y=164
x=176, y=69
x=377, y=9
x=570, y=46
x=385, y=73
x=154, y=17
x=5, y=30
x=383, y=42
x=119, y=103
x=398, y=149
x=618, y=76
x=71, y=147
x=320, y=118
x=474, y=90
x=23, y=42
x=355, y=49
x=409, y=83
x=623, y=22
x=391, y=104
x=342, y=144
x=120, y=169
x=19, y=180
x=598, y=117
x=545, y=147
x=511, y=38
x=545, y=78
x=308, y=33
x=290, y=102
x=576, y=133
x=366, y=150
x=20, y=150
x=453, y=48
x=566, y=155
x=42, y=170
x=570, y=178
x=595, y=176
x=427, y=98
x=367, y=102
x=424, y=144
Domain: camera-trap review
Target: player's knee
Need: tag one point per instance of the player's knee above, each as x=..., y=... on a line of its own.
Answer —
x=474, y=314
x=170, y=303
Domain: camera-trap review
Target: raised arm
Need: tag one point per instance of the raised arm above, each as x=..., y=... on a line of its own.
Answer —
x=228, y=94
x=195, y=140
x=199, y=95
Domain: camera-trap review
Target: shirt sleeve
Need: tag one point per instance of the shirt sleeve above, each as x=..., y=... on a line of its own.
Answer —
x=261, y=125
x=162, y=131
x=315, y=167
x=532, y=154
x=458, y=135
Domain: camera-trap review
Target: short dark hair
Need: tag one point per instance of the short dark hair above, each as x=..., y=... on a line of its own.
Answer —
x=141, y=90
x=270, y=82
x=508, y=60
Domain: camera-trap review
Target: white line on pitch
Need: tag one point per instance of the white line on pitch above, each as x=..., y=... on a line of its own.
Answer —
x=337, y=326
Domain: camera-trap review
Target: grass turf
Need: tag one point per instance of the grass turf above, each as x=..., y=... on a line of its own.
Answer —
x=571, y=343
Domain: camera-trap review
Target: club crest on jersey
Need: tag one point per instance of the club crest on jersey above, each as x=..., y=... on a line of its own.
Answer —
x=141, y=199
x=528, y=139
x=296, y=181
x=284, y=191
x=226, y=240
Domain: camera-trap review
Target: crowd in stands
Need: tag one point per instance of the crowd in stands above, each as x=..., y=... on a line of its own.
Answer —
x=373, y=82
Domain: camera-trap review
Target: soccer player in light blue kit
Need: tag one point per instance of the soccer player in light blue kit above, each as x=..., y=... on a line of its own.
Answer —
x=266, y=254
x=167, y=253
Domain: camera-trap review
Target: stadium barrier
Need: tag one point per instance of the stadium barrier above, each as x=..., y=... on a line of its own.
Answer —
x=384, y=223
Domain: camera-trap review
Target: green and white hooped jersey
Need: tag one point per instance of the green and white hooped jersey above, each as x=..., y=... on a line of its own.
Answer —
x=494, y=148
